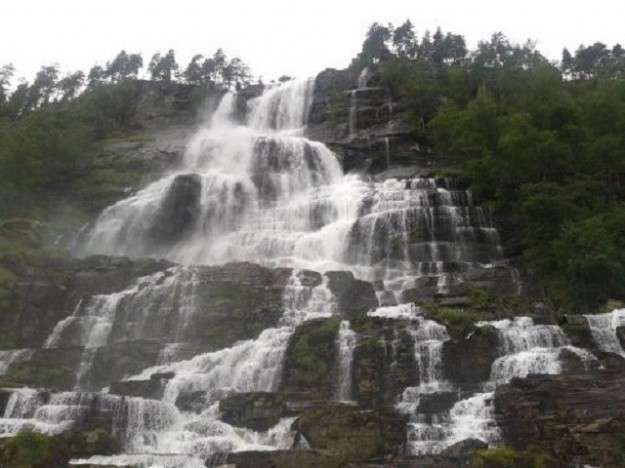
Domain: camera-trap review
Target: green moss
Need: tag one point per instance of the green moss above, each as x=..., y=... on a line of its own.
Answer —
x=32, y=450
x=459, y=322
x=38, y=374
x=505, y=457
x=311, y=353
x=502, y=457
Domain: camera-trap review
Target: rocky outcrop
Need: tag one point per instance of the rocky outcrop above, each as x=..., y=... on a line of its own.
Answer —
x=436, y=403
x=257, y=411
x=354, y=297
x=384, y=362
x=467, y=362
x=577, y=330
x=283, y=459
x=576, y=419
x=30, y=449
x=353, y=434
x=310, y=360
x=179, y=211
x=45, y=295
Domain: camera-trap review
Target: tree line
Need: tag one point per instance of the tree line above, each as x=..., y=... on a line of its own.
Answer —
x=216, y=71
x=542, y=143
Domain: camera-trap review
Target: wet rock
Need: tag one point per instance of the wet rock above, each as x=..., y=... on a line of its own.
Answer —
x=310, y=360
x=620, y=334
x=463, y=448
x=354, y=297
x=576, y=419
x=45, y=295
x=467, y=362
x=435, y=403
x=118, y=360
x=194, y=402
x=384, y=363
x=258, y=411
x=179, y=211
x=577, y=330
x=573, y=363
x=152, y=388
x=283, y=459
x=352, y=434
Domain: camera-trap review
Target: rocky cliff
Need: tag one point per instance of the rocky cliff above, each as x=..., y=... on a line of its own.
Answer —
x=298, y=289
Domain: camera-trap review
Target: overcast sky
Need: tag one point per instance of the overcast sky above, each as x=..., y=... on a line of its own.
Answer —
x=278, y=37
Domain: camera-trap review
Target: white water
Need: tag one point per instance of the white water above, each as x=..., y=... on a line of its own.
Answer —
x=346, y=342
x=528, y=348
x=265, y=194
x=13, y=356
x=157, y=431
x=603, y=328
x=407, y=311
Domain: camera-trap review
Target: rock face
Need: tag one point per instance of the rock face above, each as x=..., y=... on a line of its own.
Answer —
x=467, y=362
x=180, y=210
x=354, y=297
x=577, y=329
x=353, y=434
x=284, y=459
x=384, y=362
x=46, y=295
x=576, y=419
x=258, y=411
x=310, y=361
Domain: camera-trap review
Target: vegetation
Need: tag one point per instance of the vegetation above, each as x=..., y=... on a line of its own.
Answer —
x=34, y=450
x=311, y=354
x=543, y=144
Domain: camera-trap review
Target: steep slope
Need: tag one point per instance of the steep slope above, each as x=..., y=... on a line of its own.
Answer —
x=300, y=315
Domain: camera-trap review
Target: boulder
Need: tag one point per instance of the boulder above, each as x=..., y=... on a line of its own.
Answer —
x=384, y=362
x=282, y=459
x=577, y=329
x=354, y=297
x=193, y=402
x=310, y=359
x=258, y=411
x=464, y=449
x=467, y=362
x=353, y=434
x=436, y=403
x=151, y=388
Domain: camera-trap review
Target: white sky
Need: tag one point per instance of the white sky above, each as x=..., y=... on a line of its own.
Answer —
x=278, y=37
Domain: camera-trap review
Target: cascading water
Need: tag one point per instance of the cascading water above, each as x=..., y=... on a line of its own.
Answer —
x=264, y=193
x=603, y=328
x=346, y=342
x=157, y=430
x=527, y=348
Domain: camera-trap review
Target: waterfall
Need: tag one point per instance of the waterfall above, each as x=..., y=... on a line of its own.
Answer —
x=353, y=113
x=148, y=428
x=346, y=342
x=527, y=348
x=407, y=311
x=13, y=356
x=263, y=192
x=603, y=329
x=387, y=151
x=363, y=77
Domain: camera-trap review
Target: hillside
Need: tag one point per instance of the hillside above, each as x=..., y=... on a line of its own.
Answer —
x=412, y=262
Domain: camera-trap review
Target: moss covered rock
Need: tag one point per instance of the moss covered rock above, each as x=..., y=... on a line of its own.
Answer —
x=310, y=361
